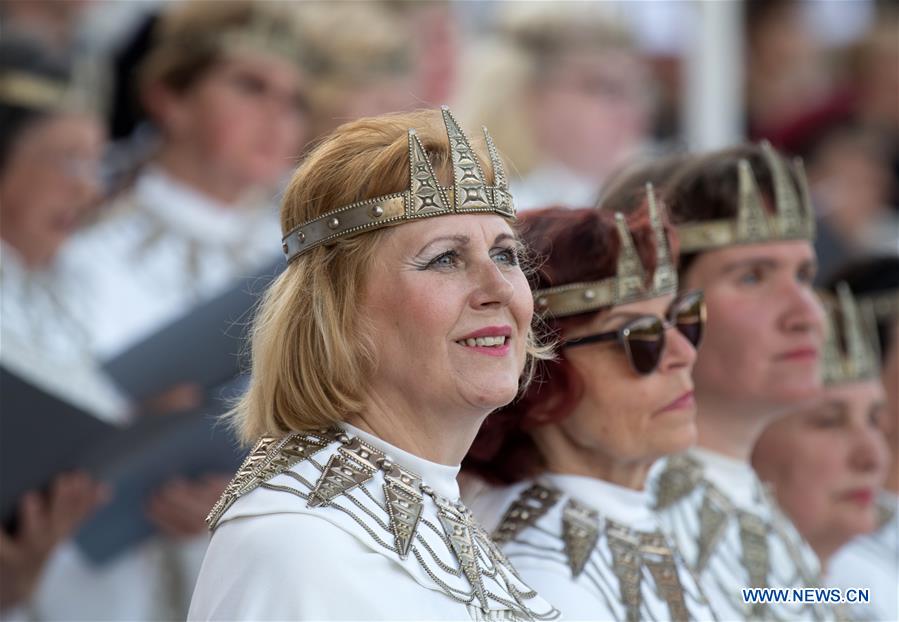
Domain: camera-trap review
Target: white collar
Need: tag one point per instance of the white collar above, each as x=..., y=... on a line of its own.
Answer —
x=623, y=505
x=440, y=477
x=735, y=478
x=188, y=210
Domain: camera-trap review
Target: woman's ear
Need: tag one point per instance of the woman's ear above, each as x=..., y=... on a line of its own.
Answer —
x=165, y=106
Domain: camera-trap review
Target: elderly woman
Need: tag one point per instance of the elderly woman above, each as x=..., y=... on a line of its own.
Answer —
x=576, y=520
x=377, y=355
x=827, y=462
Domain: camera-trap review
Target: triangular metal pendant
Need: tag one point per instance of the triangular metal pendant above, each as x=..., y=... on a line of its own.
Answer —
x=627, y=564
x=659, y=558
x=350, y=466
x=631, y=275
x=752, y=219
x=469, y=187
x=462, y=541
x=525, y=511
x=404, y=506
x=679, y=479
x=580, y=532
x=754, y=542
x=713, y=516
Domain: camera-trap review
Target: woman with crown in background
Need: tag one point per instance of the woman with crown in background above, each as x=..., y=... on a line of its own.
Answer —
x=402, y=320
x=745, y=227
x=827, y=461
x=574, y=515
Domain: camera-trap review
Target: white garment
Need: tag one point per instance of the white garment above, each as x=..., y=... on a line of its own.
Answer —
x=554, y=184
x=872, y=562
x=537, y=548
x=273, y=557
x=711, y=504
x=43, y=337
x=164, y=248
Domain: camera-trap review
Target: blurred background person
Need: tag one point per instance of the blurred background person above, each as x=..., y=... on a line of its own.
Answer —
x=362, y=61
x=568, y=93
x=875, y=557
x=224, y=86
x=827, y=461
x=51, y=142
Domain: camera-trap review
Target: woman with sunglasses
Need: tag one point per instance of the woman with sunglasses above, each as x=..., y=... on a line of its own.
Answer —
x=574, y=516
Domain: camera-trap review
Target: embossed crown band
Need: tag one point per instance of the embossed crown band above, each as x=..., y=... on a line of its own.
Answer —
x=794, y=217
x=424, y=198
x=851, y=347
x=629, y=283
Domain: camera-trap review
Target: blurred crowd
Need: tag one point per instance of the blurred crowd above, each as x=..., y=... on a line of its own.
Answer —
x=143, y=147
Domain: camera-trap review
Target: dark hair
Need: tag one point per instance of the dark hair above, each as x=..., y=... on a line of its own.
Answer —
x=624, y=189
x=707, y=188
x=21, y=54
x=569, y=245
x=865, y=277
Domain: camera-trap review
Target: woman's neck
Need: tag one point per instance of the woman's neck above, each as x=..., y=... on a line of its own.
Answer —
x=729, y=428
x=191, y=168
x=442, y=437
x=563, y=454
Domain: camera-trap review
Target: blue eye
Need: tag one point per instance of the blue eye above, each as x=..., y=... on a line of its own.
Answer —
x=449, y=259
x=508, y=256
x=752, y=277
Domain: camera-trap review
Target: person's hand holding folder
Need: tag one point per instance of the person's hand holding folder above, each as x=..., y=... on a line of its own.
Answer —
x=180, y=507
x=44, y=520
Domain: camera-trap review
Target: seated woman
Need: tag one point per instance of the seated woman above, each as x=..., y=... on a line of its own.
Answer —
x=574, y=453
x=377, y=355
x=827, y=462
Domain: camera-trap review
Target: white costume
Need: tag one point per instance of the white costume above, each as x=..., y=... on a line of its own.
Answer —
x=592, y=547
x=731, y=533
x=164, y=248
x=872, y=562
x=337, y=525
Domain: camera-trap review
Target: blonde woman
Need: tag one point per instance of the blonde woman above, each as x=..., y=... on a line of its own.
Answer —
x=377, y=355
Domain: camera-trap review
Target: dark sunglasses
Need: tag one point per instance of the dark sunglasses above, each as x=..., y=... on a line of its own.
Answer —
x=643, y=338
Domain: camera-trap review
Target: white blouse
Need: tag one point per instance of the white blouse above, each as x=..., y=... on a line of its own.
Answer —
x=872, y=562
x=163, y=248
x=313, y=529
x=732, y=534
x=592, y=547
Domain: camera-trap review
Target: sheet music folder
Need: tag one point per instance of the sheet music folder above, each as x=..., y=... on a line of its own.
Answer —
x=201, y=347
x=42, y=436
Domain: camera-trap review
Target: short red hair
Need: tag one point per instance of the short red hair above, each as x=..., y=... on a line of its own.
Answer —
x=569, y=246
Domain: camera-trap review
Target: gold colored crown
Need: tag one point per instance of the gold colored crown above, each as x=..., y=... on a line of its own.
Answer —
x=851, y=347
x=884, y=305
x=794, y=217
x=629, y=283
x=26, y=90
x=424, y=198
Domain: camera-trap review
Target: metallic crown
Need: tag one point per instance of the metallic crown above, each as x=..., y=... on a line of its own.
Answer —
x=628, y=285
x=424, y=198
x=794, y=217
x=851, y=348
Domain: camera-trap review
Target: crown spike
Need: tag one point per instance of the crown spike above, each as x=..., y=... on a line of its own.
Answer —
x=426, y=197
x=858, y=353
x=502, y=198
x=752, y=220
x=785, y=197
x=631, y=275
x=469, y=187
x=665, y=276
x=805, y=195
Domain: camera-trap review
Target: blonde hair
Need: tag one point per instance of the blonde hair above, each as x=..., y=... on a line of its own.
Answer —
x=528, y=42
x=310, y=348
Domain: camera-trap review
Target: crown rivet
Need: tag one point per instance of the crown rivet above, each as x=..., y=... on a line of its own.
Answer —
x=376, y=211
x=301, y=237
x=589, y=294
x=333, y=223
x=542, y=301
x=284, y=248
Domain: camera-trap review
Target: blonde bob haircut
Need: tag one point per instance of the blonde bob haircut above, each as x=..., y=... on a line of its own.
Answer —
x=310, y=349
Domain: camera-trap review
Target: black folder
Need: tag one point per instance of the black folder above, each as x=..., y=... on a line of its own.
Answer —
x=204, y=346
x=42, y=436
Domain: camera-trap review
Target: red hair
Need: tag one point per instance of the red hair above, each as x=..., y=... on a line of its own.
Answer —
x=569, y=246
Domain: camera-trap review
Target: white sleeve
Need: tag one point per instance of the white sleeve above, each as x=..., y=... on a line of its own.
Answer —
x=300, y=567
